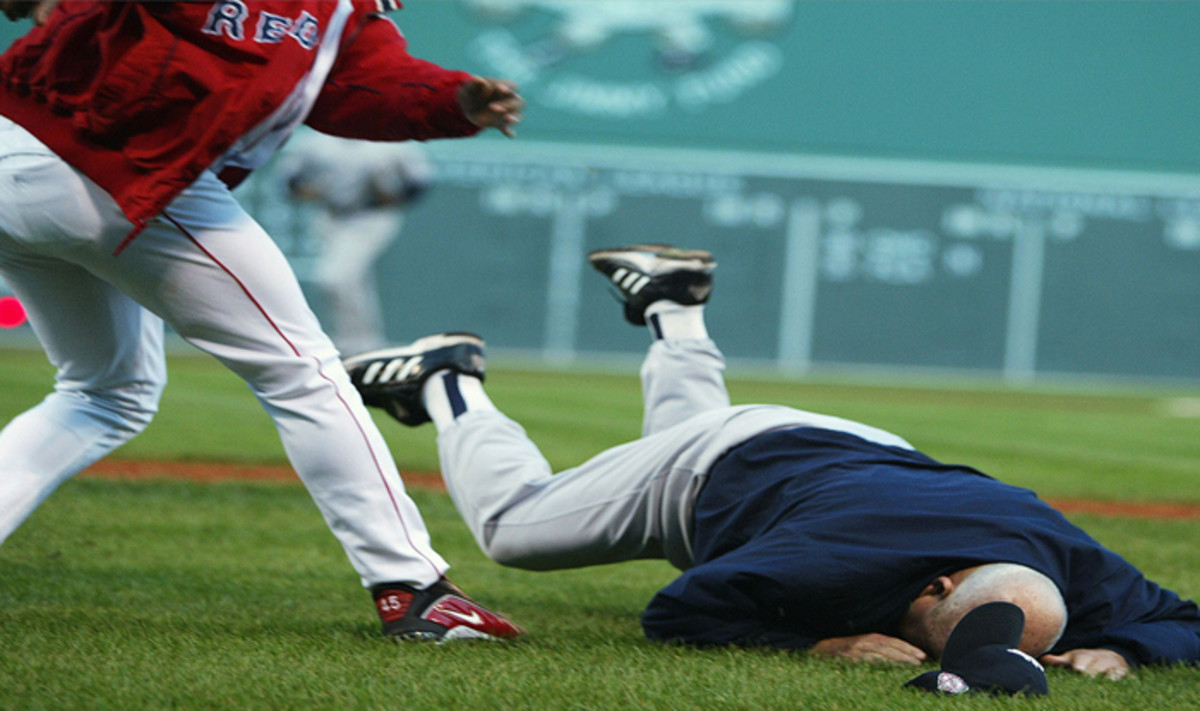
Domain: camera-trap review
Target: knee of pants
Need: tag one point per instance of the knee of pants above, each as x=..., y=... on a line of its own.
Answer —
x=517, y=554
x=287, y=382
x=128, y=407
x=507, y=557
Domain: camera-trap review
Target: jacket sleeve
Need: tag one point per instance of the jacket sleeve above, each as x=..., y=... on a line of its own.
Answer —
x=722, y=602
x=1113, y=606
x=1158, y=642
x=378, y=91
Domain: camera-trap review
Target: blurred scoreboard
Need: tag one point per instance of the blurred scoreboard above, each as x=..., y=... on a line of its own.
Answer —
x=823, y=262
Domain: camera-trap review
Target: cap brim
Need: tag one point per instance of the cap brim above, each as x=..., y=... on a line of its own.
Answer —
x=993, y=623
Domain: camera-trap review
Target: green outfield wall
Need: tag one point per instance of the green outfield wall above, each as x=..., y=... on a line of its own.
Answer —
x=1006, y=187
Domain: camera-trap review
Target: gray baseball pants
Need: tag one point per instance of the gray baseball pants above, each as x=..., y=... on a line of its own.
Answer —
x=632, y=501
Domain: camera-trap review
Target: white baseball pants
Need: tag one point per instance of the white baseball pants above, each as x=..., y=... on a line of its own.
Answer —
x=208, y=270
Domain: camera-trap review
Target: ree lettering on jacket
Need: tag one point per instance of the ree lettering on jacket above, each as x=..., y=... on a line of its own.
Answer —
x=228, y=17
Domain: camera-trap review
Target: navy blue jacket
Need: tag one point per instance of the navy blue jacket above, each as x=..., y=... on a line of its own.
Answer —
x=807, y=534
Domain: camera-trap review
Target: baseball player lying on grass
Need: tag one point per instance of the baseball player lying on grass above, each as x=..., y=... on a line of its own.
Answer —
x=123, y=128
x=792, y=529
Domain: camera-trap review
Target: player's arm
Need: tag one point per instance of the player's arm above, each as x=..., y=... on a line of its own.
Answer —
x=709, y=606
x=378, y=91
x=703, y=607
x=1120, y=649
x=735, y=600
x=39, y=10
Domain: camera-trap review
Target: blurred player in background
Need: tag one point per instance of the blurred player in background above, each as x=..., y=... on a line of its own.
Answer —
x=123, y=128
x=363, y=189
x=793, y=529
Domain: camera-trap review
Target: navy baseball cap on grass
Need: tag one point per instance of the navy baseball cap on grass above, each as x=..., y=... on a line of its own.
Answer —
x=982, y=655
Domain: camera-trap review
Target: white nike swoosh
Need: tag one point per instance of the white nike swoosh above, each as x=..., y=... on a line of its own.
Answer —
x=472, y=619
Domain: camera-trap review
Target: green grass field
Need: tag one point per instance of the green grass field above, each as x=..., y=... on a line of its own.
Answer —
x=171, y=594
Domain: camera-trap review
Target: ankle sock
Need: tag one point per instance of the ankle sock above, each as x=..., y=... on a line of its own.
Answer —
x=667, y=319
x=448, y=395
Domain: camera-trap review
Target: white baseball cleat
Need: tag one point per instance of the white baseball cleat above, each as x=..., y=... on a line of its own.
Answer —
x=391, y=378
x=644, y=273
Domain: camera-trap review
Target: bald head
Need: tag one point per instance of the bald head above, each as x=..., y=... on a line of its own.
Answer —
x=945, y=601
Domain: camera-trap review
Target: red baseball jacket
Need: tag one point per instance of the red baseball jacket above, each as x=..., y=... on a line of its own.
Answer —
x=143, y=97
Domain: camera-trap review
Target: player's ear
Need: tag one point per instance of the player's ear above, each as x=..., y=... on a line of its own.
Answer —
x=941, y=586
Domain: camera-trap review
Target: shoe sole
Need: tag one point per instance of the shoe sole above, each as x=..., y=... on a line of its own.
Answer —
x=417, y=347
x=652, y=260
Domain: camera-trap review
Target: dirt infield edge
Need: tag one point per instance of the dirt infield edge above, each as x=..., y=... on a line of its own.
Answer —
x=216, y=471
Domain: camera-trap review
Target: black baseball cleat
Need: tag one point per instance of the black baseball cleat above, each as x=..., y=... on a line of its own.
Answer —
x=440, y=613
x=644, y=273
x=391, y=378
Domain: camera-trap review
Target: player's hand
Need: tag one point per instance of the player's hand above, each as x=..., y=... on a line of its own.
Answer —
x=870, y=648
x=18, y=10
x=491, y=103
x=1091, y=662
